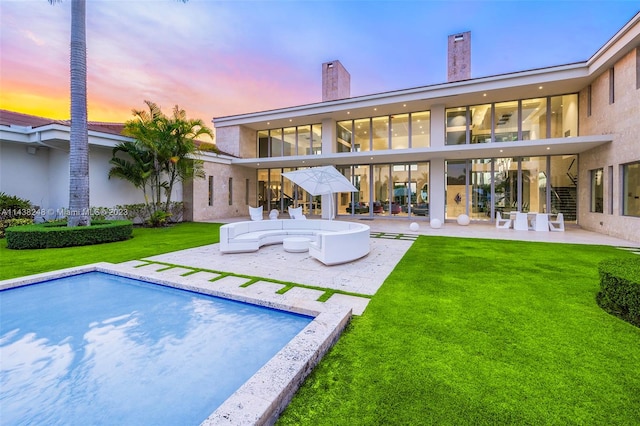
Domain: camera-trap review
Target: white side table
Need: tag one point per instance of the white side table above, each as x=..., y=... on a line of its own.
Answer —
x=295, y=244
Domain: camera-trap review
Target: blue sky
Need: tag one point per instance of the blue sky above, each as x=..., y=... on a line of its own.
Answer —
x=216, y=58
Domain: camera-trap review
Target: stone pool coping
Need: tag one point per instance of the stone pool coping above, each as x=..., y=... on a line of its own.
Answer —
x=261, y=399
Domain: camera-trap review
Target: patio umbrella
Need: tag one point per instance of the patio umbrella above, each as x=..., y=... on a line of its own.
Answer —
x=321, y=181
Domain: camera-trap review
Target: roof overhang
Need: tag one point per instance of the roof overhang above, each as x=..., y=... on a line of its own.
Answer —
x=523, y=85
x=529, y=148
x=55, y=136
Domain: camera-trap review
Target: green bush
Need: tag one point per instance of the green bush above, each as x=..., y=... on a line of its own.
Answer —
x=5, y=223
x=12, y=207
x=620, y=288
x=57, y=234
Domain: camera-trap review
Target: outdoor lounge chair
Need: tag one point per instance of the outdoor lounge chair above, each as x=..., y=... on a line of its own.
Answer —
x=502, y=223
x=255, y=213
x=296, y=213
x=558, y=224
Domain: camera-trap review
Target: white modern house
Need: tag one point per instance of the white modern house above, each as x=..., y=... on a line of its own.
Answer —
x=558, y=139
x=562, y=139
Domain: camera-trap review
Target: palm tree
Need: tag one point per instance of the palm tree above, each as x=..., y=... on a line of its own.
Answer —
x=183, y=133
x=170, y=146
x=138, y=170
x=79, y=207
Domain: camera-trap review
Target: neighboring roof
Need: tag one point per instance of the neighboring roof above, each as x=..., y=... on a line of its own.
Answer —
x=31, y=122
x=9, y=118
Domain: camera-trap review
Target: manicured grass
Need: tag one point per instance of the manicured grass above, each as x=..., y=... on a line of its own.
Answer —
x=481, y=332
x=145, y=242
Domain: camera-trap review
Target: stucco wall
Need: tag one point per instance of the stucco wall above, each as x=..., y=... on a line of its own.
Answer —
x=43, y=178
x=621, y=119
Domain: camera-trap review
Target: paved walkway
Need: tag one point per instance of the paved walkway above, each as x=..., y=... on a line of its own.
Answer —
x=265, y=271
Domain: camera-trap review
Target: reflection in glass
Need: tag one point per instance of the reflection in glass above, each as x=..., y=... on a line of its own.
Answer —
x=316, y=139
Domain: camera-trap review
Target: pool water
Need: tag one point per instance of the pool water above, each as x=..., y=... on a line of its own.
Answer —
x=97, y=349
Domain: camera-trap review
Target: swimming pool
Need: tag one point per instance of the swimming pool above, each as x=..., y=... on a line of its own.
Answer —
x=97, y=348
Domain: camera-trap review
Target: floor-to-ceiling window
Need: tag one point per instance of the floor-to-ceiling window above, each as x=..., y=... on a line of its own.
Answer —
x=456, y=126
x=564, y=116
x=362, y=130
x=480, y=123
x=534, y=119
x=399, y=131
x=456, y=189
x=480, y=181
x=534, y=184
x=420, y=129
x=506, y=119
x=288, y=141
x=563, y=186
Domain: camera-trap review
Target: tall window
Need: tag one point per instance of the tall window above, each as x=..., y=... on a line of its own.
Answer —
x=344, y=136
x=457, y=126
x=612, y=86
x=400, y=131
x=534, y=119
x=506, y=121
x=210, y=190
x=230, y=191
x=420, y=129
x=631, y=189
x=597, y=191
x=564, y=116
x=480, y=126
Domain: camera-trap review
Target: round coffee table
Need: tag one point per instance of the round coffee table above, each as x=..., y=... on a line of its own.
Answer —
x=295, y=244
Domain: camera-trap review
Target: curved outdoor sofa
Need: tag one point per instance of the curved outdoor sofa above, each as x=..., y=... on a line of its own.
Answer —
x=330, y=241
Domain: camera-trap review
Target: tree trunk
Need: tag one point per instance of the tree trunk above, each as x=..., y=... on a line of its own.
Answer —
x=79, y=214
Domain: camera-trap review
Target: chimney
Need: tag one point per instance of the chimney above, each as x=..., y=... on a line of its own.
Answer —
x=459, y=60
x=336, y=81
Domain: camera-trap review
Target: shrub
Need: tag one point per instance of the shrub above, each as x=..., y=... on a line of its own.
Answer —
x=57, y=234
x=620, y=288
x=12, y=207
x=140, y=213
x=5, y=223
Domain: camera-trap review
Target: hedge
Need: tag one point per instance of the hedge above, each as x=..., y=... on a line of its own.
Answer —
x=47, y=235
x=620, y=288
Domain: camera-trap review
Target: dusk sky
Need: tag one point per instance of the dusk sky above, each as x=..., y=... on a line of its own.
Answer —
x=218, y=58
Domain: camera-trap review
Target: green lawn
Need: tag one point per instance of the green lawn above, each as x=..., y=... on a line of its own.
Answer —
x=463, y=332
x=145, y=242
x=481, y=332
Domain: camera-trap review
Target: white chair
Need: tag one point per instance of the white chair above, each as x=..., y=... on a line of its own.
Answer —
x=541, y=222
x=558, y=224
x=273, y=214
x=502, y=223
x=255, y=213
x=521, y=223
x=296, y=213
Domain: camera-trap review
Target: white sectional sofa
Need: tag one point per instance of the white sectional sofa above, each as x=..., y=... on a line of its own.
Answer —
x=331, y=241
